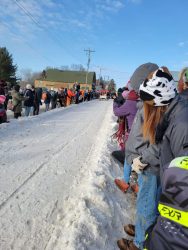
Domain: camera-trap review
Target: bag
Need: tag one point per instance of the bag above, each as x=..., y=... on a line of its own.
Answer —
x=122, y=134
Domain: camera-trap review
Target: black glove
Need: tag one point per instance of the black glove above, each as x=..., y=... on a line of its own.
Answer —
x=119, y=100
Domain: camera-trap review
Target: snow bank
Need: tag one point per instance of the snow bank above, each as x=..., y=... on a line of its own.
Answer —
x=59, y=192
x=94, y=215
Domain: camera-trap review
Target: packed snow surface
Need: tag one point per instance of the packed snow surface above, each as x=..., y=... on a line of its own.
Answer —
x=57, y=186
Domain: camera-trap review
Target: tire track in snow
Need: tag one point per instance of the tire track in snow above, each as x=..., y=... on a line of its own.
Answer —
x=41, y=166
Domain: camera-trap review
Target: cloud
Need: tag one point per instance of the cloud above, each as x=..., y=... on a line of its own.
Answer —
x=26, y=15
x=181, y=44
x=29, y=21
x=135, y=1
x=109, y=5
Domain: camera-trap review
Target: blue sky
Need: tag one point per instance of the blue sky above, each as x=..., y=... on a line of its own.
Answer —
x=123, y=33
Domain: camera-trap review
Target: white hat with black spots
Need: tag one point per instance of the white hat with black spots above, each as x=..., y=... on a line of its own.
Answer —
x=160, y=88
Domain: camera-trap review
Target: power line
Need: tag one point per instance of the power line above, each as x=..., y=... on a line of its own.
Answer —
x=110, y=69
x=28, y=44
x=56, y=40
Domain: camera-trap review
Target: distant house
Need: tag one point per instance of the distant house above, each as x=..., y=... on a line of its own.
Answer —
x=66, y=79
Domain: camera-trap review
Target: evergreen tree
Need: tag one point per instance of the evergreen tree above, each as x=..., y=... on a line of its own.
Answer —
x=112, y=86
x=7, y=68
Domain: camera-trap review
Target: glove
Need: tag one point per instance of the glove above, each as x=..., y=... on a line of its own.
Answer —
x=119, y=100
x=137, y=165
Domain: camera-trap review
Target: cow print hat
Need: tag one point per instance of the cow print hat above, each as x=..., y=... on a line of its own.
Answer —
x=160, y=88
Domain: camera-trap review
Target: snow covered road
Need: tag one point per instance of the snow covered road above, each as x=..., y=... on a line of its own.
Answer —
x=52, y=180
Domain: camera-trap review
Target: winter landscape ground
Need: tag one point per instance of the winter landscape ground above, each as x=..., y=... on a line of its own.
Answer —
x=57, y=187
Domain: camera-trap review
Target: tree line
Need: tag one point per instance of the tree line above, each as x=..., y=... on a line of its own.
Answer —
x=8, y=72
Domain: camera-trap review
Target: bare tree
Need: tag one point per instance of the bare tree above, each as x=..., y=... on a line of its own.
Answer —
x=29, y=76
x=64, y=67
x=77, y=67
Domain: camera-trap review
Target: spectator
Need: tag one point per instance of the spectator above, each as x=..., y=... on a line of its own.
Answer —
x=172, y=131
x=37, y=100
x=138, y=149
x=119, y=99
x=17, y=99
x=29, y=99
x=171, y=230
x=53, y=98
x=7, y=97
x=127, y=111
x=47, y=99
x=157, y=91
x=3, y=114
x=70, y=95
x=61, y=97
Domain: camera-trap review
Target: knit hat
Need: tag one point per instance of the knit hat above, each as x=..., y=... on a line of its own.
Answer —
x=120, y=90
x=160, y=88
x=140, y=74
x=125, y=94
x=28, y=86
x=2, y=99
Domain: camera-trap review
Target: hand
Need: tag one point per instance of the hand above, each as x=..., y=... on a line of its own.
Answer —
x=137, y=165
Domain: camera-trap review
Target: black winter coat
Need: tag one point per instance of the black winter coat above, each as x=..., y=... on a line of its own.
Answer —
x=29, y=95
x=172, y=133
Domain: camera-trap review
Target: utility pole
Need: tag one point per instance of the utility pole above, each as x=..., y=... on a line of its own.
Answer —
x=88, y=52
x=100, y=73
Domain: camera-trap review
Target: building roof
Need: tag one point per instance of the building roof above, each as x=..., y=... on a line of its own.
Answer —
x=70, y=76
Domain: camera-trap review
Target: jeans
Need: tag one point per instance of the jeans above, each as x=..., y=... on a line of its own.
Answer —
x=146, y=205
x=27, y=110
x=127, y=172
x=47, y=106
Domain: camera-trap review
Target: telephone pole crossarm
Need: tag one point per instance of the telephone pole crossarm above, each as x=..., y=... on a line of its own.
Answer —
x=88, y=52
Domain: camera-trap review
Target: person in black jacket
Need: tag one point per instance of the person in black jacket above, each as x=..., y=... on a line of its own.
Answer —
x=53, y=98
x=29, y=99
x=172, y=131
x=37, y=100
x=171, y=230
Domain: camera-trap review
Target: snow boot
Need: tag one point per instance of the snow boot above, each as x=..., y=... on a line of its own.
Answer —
x=135, y=188
x=122, y=185
x=124, y=244
x=130, y=230
x=119, y=156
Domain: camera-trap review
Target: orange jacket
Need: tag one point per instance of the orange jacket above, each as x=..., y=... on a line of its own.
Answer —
x=70, y=93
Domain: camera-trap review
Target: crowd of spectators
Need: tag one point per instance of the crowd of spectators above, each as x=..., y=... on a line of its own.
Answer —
x=153, y=139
